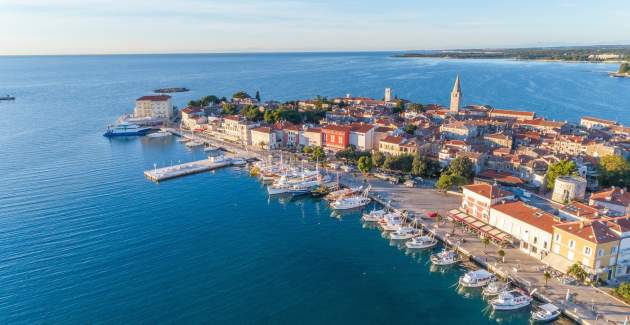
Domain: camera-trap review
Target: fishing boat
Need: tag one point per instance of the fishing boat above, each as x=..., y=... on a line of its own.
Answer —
x=238, y=161
x=320, y=191
x=391, y=221
x=494, y=288
x=374, y=215
x=194, y=144
x=546, y=313
x=159, y=134
x=511, y=300
x=404, y=233
x=345, y=192
x=444, y=258
x=7, y=97
x=476, y=279
x=125, y=129
x=210, y=149
x=421, y=242
x=352, y=202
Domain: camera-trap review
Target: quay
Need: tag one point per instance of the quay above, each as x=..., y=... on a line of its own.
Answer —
x=195, y=167
x=595, y=305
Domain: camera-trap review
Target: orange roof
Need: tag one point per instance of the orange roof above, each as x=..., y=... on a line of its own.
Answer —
x=615, y=195
x=232, y=118
x=484, y=190
x=528, y=214
x=262, y=129
x=599, y=120
x=596, y=231
x=338, y=128
x=500, y=177
x=361, y=128
x=511, y=112
x=581, y=210
x=392, y=139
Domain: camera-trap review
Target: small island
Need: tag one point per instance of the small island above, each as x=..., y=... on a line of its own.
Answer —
x=624, y=71
x=171, y=90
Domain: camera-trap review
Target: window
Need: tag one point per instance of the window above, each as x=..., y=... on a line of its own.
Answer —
x=613, y=250
x=587, y=250
x=600, y=252
x=535, y=240
x=571, y=244
x=557, y=238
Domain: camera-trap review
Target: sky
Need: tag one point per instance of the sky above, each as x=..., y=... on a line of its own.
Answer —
x=43, y=27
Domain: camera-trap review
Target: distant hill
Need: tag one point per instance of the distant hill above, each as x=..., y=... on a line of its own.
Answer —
x=596, y=53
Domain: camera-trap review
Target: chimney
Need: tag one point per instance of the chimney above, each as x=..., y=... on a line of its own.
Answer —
x=581, y=224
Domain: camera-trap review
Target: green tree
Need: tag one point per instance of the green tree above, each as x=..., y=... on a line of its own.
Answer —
x=447, y=181
x=402, y=163
x=624, y=68
x=378, y=159
x=241, y=95
x=424, y=167
x=546, y=276
x=307, y=150
x=258, y=95
x=415, y=107
x=399, y=108
x=485, y=241
x=207, y=100
x=462, y=166
x=501, y=254
x=623, y=291
x=614, y=171
x=577, y=271
x=410, y=128
x=194, y=103
x=561, y=168
x=270, y=116
x=252, y=113
x=365, y=164
x=229, y=109
x=318, y=154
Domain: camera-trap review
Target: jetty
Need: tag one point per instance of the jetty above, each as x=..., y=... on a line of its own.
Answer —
x=195, y=167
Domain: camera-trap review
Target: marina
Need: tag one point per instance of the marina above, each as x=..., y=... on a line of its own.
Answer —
x=190, y=168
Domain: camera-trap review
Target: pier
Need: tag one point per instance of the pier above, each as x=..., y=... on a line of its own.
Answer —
x=195, y=167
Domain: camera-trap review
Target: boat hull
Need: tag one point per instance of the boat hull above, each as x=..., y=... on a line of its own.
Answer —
x=125, y=134
x=509, y=307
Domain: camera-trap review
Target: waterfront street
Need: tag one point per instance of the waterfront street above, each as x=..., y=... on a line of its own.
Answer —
x=517, y=265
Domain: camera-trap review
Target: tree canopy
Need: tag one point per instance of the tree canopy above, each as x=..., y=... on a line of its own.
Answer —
x=241, y=95
x=402, y=163
x=561, y=168
x=462, y=166
x=365, y=164
x=624, y=68
x=229, y=109
x=424, y=167
x=252, y=113
x=351, y=155
x=378, y=159
x=614, y=171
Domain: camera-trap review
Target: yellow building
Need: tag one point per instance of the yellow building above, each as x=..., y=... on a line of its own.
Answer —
x=592, y=244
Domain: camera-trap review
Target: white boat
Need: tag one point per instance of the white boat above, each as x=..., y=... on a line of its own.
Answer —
x=352, y=202
x=183, y=140
x=159, y=134
x=390, y=221
x=476, y=279
x=445, y=257
x=210, y=149
x=333, y=196
x=546, y=313
x=374, y=215
x=194, y=143
x=421, y=242
x=494, y=288
x=404, y=232
x=238, y=162
x=511, y=300
x=125, y=129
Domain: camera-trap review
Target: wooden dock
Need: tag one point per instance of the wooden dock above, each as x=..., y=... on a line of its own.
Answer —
x=195, y=167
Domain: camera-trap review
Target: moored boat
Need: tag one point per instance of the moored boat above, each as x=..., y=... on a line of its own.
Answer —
x=476, y=279
x=194, y=144
x=421, y=242
x=374, y=215
x=404, y=233
x=546, y=313
x=445, y=257
x=159, y=134
x=494, y=288
x=125, y=129
x=7, y=97
x=511, y=300
x=391, y=221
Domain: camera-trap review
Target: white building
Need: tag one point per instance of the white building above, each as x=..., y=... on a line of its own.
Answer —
x=236, y=129
x=264, y=137
x=569, y=188
x=531, y=227
x=362, y=136
x=478, y=198
x=388, y=95
x=156, y=106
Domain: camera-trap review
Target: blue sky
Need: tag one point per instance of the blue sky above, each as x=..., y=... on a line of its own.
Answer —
x=144, y=26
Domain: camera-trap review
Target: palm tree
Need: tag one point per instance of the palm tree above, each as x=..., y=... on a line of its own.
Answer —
x=485, y=241
x=502, y=255
x=578, y=272
x=547, y=276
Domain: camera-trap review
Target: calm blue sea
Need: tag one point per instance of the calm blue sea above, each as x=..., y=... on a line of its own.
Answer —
x=84, y=238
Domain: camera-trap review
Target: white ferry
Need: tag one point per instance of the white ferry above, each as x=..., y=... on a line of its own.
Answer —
x=125, y=129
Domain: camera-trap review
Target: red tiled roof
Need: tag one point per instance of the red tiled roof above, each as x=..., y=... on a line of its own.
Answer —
x=361, y=128
x=262, y=129
x=616, y=196
x=155, y=98
x=484, y=190
x=596, y=231
x=393, y=140
x=581, y=210
x=528, y=214
x=232, y=117
x=511, y=112
x=338, y=128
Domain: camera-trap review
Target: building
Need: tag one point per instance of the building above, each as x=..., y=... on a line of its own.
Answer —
x=456, y=97
x=530, y=226
x=155, y=106
x=511, y=115
x=571, y=145
x=362, y=136
x=498, y=140
x=459, y=130
x=395, y=146
x=569, y=188
x=621, y=227
x=190, y=117
x=576, y=211
x=477, y=199
x=596, y=123
x=335, y=137
x=264, y=137
x=592, y=244
x=235, y=128
x=616, y=200
x=291, y=135
x=312, y=137
x=388, y=95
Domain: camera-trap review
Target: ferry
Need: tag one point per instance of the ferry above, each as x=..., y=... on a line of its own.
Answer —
x=125, y=129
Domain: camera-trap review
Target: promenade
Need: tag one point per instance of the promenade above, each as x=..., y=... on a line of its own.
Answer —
x=593, y=305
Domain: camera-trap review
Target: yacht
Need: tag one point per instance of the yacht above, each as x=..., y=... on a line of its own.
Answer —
x=159, y=134
x=194, y=143
x=390, y=221
x=238, y=161
x=404, y=233
x=476, y=279
x=374, y=215
x=125, y=129
x=546, y=313
x=351, y=202
x=420, y=242
x=7, y=97
x=511, y=300
x=494, y=288
x=445, y=257
x=333, y=196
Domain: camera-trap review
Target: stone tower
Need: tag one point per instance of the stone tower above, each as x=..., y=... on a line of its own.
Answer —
x=388, y=94
x=456, y=96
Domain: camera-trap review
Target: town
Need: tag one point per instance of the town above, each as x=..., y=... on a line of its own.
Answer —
x=554, y=190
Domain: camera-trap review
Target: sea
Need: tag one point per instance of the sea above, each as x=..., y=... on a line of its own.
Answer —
x=86, y=239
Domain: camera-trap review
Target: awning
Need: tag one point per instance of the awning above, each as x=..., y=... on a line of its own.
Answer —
x=482, y=227
x=557, y=262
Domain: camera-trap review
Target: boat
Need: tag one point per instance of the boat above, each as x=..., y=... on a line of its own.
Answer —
x=374, y=215
x=494, y=288
x=210, y=149
x=511, y=300
x=445, y=257
x=183, y=140
x=238, y=161
x=391, y=221
x=333, y=196
x=546, y=313
x=420, y=242
x=404, y=233
x=7, y=97
x=320, y=191
x=352, y=202
x=194, y=143
x=125, y=129
x=476, y=279
x=159, y=134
